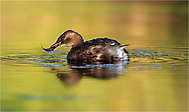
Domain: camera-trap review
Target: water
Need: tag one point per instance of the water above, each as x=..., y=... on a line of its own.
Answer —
x=155, y=78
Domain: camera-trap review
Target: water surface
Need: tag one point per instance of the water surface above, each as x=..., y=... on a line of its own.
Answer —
x=155, y=78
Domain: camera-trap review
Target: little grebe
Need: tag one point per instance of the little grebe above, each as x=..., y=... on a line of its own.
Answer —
x=96, y=51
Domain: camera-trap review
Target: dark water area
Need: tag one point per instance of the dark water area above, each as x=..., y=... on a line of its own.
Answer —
x=155, y=78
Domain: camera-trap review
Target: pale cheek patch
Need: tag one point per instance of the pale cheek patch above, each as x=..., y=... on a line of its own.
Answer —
x=66, y=45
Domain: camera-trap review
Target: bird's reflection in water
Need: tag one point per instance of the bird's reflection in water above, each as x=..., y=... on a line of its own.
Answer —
x=71, y=78
x=104, y=71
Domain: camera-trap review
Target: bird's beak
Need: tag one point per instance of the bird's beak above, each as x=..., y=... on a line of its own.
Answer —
x=56, y=44
x=52, y=47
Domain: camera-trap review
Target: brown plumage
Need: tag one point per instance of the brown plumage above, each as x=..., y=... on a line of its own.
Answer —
x=96, y=51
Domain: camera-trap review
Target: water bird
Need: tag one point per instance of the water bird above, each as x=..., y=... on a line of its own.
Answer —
x=95, y=51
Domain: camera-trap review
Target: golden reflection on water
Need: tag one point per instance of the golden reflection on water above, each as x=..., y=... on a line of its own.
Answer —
x=148, y=82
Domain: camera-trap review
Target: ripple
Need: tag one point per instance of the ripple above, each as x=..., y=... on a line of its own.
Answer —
x=150, y=57
x=52, y=65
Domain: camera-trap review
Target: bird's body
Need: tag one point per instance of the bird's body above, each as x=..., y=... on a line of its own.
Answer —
x=96, y=51
x=100, y=50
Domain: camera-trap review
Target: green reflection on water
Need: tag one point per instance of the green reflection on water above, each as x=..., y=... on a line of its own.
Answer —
x=155, y=84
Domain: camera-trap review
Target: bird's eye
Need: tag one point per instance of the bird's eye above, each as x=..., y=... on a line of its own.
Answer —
x=67, y=40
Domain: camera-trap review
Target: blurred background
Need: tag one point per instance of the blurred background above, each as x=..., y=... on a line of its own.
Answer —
x=158, y=26
x=40, y=22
